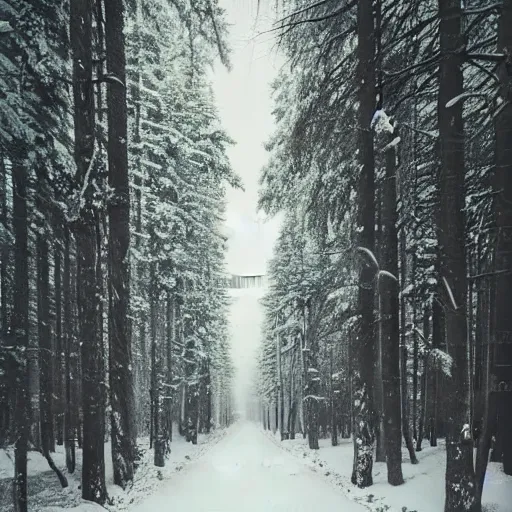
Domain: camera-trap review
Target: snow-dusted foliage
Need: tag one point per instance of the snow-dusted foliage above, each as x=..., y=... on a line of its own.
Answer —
x=179, y=173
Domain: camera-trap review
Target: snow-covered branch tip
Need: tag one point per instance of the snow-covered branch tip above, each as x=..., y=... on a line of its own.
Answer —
x=381, y=122
x=370, y=255
x=77, y=200
x=385, y=273
x=450, y=294
x=464, y=96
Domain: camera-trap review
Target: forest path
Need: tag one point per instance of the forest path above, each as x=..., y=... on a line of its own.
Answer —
x=247, y=472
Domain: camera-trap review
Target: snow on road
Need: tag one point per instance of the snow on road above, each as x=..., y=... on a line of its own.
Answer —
x=247, y=472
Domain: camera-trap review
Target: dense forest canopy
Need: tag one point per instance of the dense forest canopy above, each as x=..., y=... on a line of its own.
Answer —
x=386, y=315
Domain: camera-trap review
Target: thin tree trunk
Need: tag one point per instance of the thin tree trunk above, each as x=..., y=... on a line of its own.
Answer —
x=69, y=424
x=45, y=347
x=20, y=326
x=406, y=430
x=424, y=381
x=460, y=477
x=122, y=399
x=334, y=423
x=59, y=370
x=389, y=323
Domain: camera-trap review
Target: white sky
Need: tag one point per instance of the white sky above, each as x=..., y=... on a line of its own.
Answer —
x=245, y=106
x=244, y=103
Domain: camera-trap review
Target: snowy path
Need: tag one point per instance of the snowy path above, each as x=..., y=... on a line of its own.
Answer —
x=247, y=472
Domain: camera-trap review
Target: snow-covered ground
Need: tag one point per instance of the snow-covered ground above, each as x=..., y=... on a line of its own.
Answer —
x=46, y=494
x=423, y=490
x=247, y=472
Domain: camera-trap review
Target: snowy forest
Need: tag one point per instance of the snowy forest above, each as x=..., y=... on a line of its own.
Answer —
x=388, y=312
x=385, y=325
x=113, y=168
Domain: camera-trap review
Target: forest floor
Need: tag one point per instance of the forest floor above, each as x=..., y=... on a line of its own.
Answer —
x=247, y=472
x=423, y=490
x=46, y=494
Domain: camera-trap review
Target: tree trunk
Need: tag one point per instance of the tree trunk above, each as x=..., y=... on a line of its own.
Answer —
x=170, y=335
x=502, y=369
x=69, y=424
x=93, y=403
x=424, y=381
x=59, y=370
x=460, y=477
x=6, y=364
x=406, y=430
x=365, y=342
x=122, y=399
x=334, y=422
x=20, y=326
x=45, y=347
x=389, y=323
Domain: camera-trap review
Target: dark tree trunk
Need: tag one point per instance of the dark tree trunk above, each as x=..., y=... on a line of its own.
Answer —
x=365, y=342
x=20, y=326
x=390, y=327
x=169, y=400
x=156, y=374
x=69, y=416
x=93, y=403
x=45, y=347
x=122, y=399
x=488, y=404
x=437, y=339
x=503, y=210
x=460, y=476
x=415, y=363
x=406, y=430
x=424, y=382
x=7, y=393
x=332, y=404
x=59, y=370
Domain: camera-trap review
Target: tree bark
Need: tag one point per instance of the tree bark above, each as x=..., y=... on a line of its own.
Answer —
x=93, y=403
x=389, y=324
x=69, y=423
x=460, y=476
x=334, y=422
x=365, y=342
x=406, y=429
x=502, y=369
x=122, y=398
x=424, y=382
x=20, y=326
x=46, y=354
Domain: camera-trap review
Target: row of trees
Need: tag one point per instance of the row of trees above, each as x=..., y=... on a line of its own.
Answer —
x=388, y=308
x=112, y=175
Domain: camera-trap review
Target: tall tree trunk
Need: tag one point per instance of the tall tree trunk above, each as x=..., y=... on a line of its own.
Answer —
x=93, y=403
x=59, y=370
x=332, y=405
x=122, y=399
x=7, y=393
x=69, y=417
x=424, y=383
x=365, y=343
x=159, y=448
x=170, y=335
x=389, y=323
x=460, y=476
x=20, y=326
x=503, y=209
x=406, y=429
x=45, y=347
